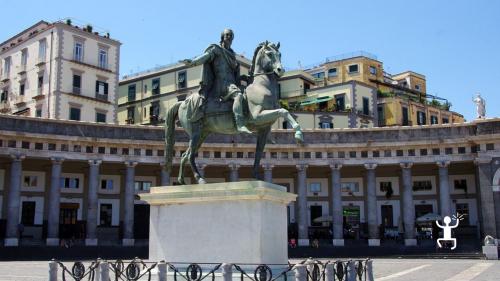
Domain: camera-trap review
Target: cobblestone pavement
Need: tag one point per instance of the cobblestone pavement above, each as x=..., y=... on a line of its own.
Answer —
x=384, y=269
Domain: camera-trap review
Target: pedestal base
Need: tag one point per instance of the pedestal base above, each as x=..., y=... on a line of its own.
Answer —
x=237, y=222
x=338, y=242
x=410, y=242
x=91, y=242
x=373, y=242
x=128, y=242
x=52, y=241
x=490, y=252
x=11, y=242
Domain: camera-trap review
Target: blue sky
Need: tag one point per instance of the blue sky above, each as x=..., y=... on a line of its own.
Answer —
x=455, y=44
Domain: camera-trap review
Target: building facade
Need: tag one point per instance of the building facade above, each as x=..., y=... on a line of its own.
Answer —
x=60, y=71
x=78, y=180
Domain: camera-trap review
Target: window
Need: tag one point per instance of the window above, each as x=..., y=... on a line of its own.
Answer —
x=316, y=212
x=77, y=83
x=460, y=184
x=422, y=185
x=107, y=184
x=326, y=125
x=353, y=68
x=40, y=82
x=315, y=187
x=319, y=75
x=446, y=120
x=421, y=119
x=155, y=90
x=42, y=47
x=28, y=213
x=100, y=117
x=30, y=181
x=434, y=119
x=142, y=185
x=24, y=58
x=181, y=80
x=131, y=92
x=74, y=114
x=154, y=109
x=78, y=51
x=463, y=209
x=73, y=183
x=405, y=116
x=417, y=87
x=101, y=90
x=366, y=106
x=340, y=102
x=21, y=89
x=106, y=214
x=103, y=58
x=373, y=70
x=130, y=115
x=6, y=67
x=349, y=187
x=385, y=186
x=5, y=96
x=332, y=72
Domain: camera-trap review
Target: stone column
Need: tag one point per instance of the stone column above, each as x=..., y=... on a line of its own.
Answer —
x=337, y=210
x=164, y=176
x=444, y=188
x=408, y=208
x=302, y=205
x=128, y=214
x=488, y=217
x=91, y=238
x=268, y=172
x=14, y=201
x=234, y=172
x=54, y=203
x=371, y=205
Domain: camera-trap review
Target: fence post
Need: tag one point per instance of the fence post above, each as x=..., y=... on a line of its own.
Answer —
x=369, y=270
x=351, y=270
x=97, y=275
x=53, y=270
x=104, y=270
x=329, y=272
x=162, y=271
x=300, y=272
x=227, y=272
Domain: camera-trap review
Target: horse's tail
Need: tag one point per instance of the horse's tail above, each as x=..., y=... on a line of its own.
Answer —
x=169, y=135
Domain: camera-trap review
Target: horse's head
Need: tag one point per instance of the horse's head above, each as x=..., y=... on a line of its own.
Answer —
x=267, y=59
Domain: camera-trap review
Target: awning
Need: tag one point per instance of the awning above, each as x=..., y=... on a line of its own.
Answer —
x=316, y=100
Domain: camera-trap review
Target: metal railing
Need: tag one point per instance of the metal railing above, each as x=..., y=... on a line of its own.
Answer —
x=137, y=270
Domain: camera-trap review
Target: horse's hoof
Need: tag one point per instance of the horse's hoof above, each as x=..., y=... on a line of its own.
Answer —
x=202, y=181
x=180, y=181
x=299, y=137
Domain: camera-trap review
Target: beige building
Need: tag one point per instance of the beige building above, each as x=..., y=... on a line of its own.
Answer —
x=144, y=97
x=60, y=71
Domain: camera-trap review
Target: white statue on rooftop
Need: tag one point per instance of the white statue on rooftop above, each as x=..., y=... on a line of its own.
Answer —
x=480, y=106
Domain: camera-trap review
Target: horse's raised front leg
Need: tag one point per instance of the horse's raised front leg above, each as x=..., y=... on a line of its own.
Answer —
x=261, y=143
x=266, y=116
x=298, y=131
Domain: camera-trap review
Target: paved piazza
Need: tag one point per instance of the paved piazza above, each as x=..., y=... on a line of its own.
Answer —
x=385, y=269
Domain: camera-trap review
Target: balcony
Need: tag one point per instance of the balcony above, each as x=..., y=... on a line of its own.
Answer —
x=130, y=121
x=4, y=78
x=22, y=69
x=40, y=62
x=20, y=101
x=4, y=107
x=77, y=90
x=101, y=97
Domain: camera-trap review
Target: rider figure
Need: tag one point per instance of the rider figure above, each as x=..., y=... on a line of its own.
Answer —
x=221, y=76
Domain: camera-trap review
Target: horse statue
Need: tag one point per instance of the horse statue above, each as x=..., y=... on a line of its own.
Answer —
x=261, y=107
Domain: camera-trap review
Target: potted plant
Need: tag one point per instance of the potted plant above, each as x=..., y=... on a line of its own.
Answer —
x=89, y=28
x=68, y=21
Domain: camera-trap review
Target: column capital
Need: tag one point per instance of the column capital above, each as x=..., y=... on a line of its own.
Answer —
x=406, y=165
x=131, y=163
x=335, y=166
x=17, y=157
x=443, y=163
x=56, y=160
x=267, y=166
x=301, y=167
x=371, y=166
x=95, y=162
x=234, y=166
x=483, y=160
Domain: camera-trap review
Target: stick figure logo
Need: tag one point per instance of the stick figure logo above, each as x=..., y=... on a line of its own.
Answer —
x=447, y=230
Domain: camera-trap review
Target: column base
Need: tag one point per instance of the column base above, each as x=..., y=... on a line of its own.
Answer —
x=52, y=241
x=410, y=242
x=338, y=242
x=11, y=242
x=91, y=242
x=374, y=242
x=128, y=242
x=303, y=242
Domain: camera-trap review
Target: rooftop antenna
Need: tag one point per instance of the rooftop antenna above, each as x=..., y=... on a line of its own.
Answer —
x=300, y=64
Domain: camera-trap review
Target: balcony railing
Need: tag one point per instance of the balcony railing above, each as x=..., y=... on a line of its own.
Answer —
x=22, y=69
x=101, y=97
x=4, y=78
x=77, y=90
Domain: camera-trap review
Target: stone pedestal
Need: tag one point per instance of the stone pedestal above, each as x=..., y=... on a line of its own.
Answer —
x=234, y=222
x=490, y=252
